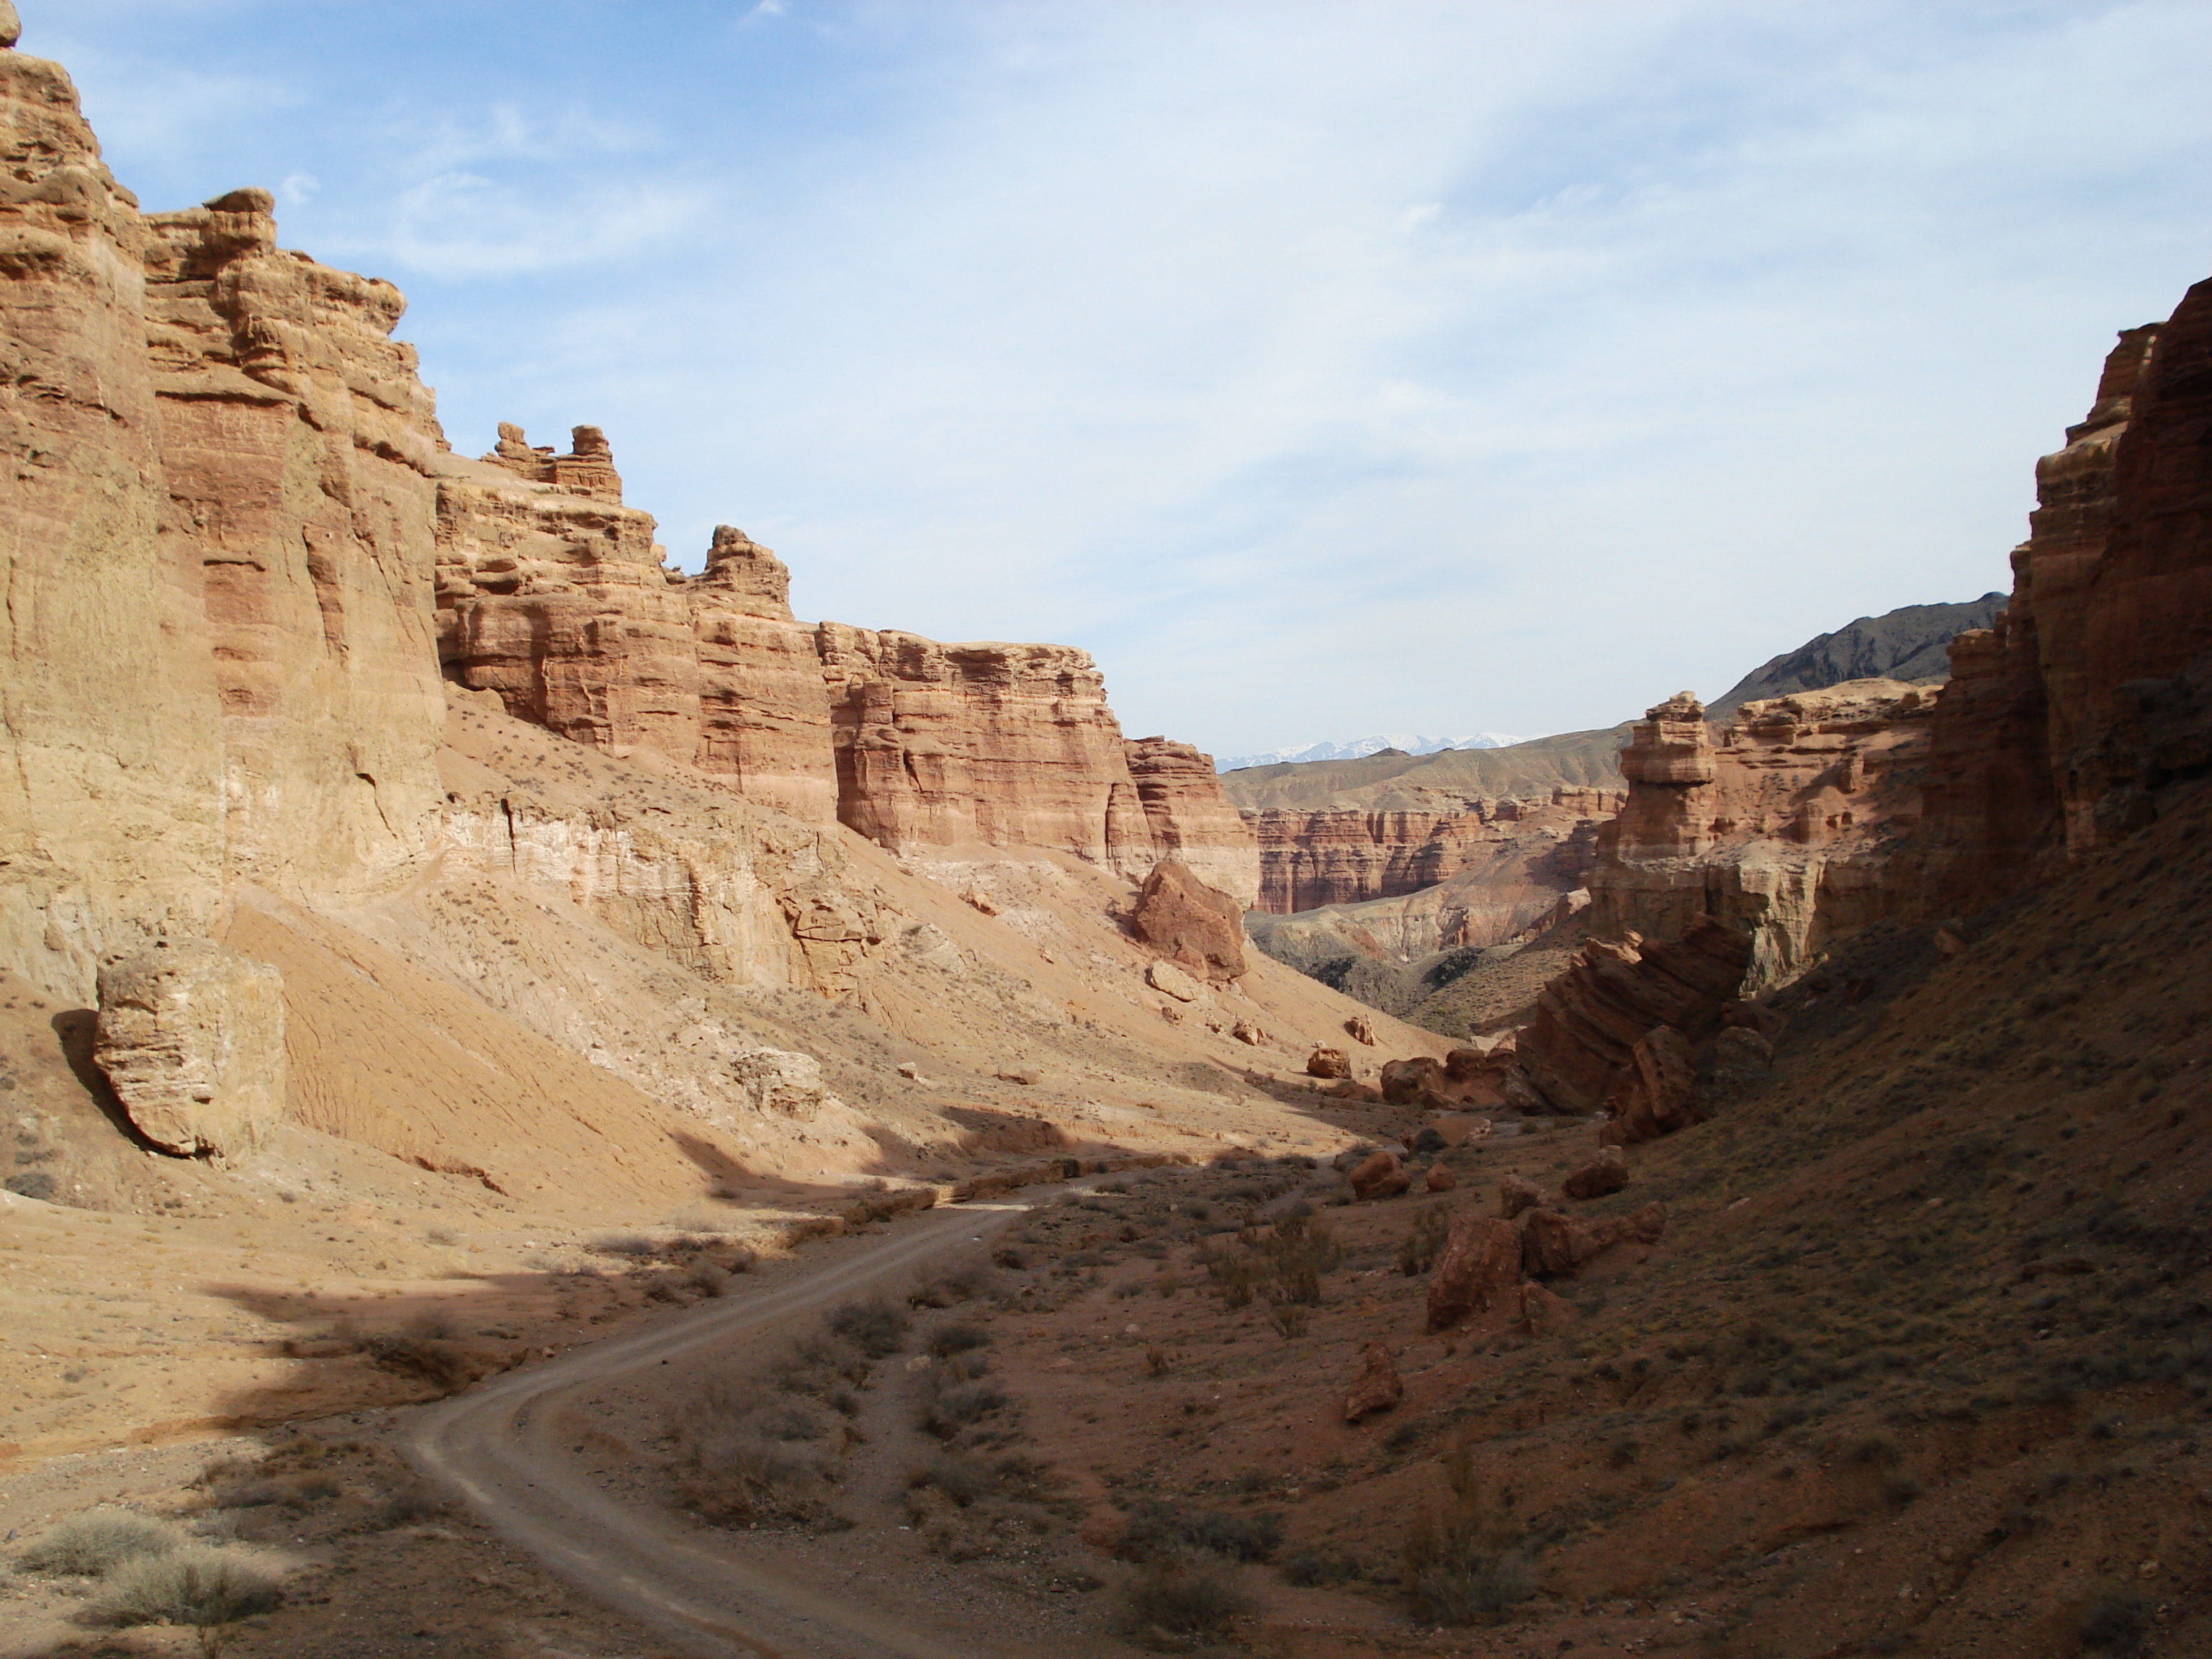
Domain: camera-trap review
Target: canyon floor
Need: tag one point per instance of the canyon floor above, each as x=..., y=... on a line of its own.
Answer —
x=1919, y=1365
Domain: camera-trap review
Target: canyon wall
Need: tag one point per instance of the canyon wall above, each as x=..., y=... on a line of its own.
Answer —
x=554, y=596
x=2067, y=724
x=218, y=524
x=1347, y=856
x=1781, y=823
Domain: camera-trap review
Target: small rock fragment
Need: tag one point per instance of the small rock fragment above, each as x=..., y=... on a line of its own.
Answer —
x=1378, y=1387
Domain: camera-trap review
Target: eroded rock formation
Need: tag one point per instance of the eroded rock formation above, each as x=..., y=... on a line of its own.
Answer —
x=1783, y=823
x=1581, y=1044
x=219, y=534
x=191, y=1038
x=1347, y=856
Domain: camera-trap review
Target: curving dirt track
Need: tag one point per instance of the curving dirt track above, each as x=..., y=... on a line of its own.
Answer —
x=500, y=1447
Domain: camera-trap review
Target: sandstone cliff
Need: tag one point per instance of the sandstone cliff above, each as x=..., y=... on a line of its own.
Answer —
x=554, y=594
x=2064, y=726
x=1341, y=856
x=218, y=535
x=1780, y=822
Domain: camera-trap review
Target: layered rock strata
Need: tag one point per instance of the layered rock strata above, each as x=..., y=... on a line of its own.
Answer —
x=555, y=595
x=218, y=534
x=1345, y=856
x=1781, y=823
x=1582, y=1045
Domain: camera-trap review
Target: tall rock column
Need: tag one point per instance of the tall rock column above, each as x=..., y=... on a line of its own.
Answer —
x=1187, y=817
x=764, y=706
x=2141, y=720
x=111, y=798
x=555, y=595
x=297, y=443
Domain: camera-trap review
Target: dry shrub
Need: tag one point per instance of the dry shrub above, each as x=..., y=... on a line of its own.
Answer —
x=1162, y=1529
x=1463, y=1559
x=1418, y=1250
x=876, y=1327
x=1173, y=1606
x=196, y=1585
x=444, y=1364
x=1289, y=1320
x=948, y=1339
x=742, y=1479
x=96, y=1545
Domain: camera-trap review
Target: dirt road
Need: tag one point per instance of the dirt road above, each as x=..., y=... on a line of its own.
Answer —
x=501, y=1447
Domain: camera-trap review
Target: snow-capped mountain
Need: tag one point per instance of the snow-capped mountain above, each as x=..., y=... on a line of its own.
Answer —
x=1358, y=746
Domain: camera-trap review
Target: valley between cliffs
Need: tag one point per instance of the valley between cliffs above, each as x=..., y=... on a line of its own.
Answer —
x=557, y=1109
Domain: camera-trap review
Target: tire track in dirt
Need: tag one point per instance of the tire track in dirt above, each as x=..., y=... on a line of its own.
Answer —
x=500, y=1447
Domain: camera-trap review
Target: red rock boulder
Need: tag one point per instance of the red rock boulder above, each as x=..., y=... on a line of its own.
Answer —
x=1660, y=1093
x=1606, y=1173
x=1440, y=1179
x=1328, y=1062
x=1198, y=928
x=1482, y=1260
x=1378, y=1387
x=1381, y=1175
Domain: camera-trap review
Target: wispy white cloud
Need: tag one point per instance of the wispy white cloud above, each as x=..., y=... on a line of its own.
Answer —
x=1323, y=368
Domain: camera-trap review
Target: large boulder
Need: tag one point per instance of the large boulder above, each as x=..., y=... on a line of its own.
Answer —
x=1197, y=926
x=1328, y=1062
x=1409, y=1082
x=191, y=1035
x=1554, y=1243
x=1606, y=1173
x=1482, y=1259
x=1660, y=1093
x=1381, y=1175
x=1378, y=1387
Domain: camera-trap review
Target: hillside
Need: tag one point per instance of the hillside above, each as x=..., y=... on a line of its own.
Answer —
x=1906, y=644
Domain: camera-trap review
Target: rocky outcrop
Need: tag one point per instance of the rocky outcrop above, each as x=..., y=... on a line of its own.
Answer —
x=1378, y=1386
x=1659, y=1093
x=1606, y=1173
x=217, y=533
x=297, y=442
x=1188, y=922
x=192, y=1037
x=1581, y=1045
x=555, y=595
x=1514, y=849
x=1781, y=823
x=1189, y=818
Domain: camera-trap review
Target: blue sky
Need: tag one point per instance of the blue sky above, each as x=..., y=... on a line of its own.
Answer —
x=1324, y=368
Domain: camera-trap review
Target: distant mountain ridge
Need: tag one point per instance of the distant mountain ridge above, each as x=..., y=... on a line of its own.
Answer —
x=1910, y=643
x=1360, y=748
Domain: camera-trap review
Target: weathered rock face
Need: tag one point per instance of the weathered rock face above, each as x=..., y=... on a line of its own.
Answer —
x=1582, y=1043
x=990, y=744
x=296, y=442
x=763, y=707
x=191, y=1035
x=110, y=810
x=217, y=536
x=1659, y=1094
x=1188, y=922
x=1340, y=856
x=555, y=595
x=1780, y=822
x=1189, y=818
